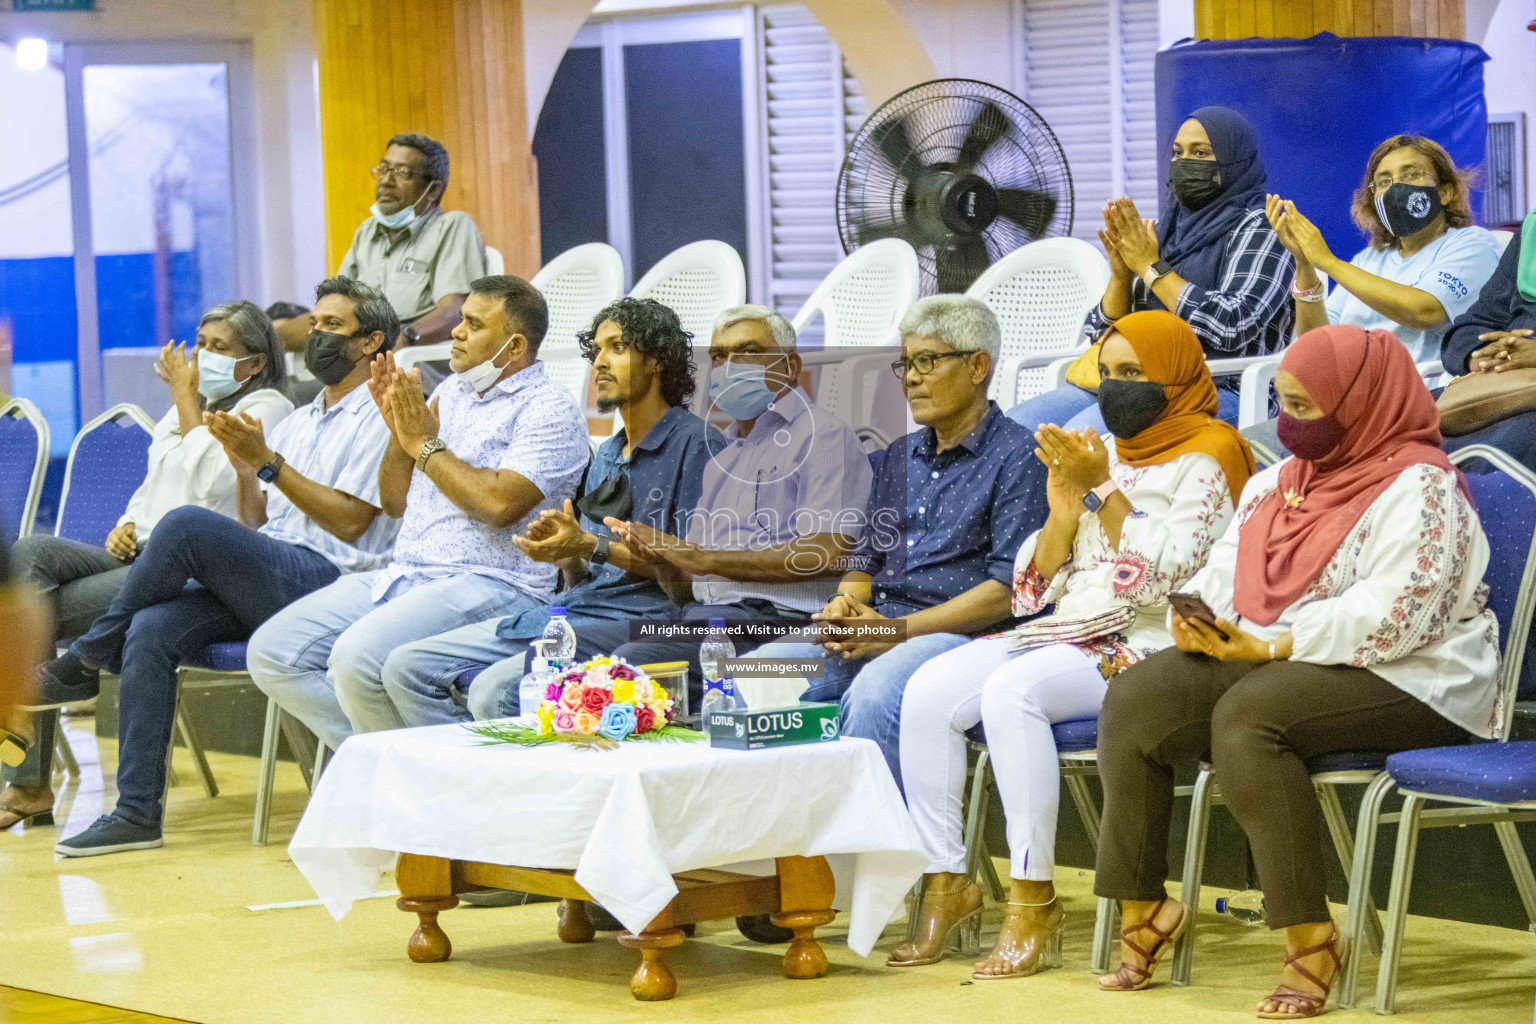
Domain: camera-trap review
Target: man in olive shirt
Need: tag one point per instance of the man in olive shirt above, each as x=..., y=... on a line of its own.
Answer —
x=421, y=257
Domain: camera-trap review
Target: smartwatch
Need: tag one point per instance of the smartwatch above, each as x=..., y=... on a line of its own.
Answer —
x=1095, y=499
x=431, y=448
x=1159, y=269
x=599, y=555
x=268, y=474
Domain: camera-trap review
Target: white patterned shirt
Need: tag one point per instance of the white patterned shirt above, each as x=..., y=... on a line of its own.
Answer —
x=341, y=448
x=527, y=424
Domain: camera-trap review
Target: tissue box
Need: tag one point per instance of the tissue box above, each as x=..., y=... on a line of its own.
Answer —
x=755, y=728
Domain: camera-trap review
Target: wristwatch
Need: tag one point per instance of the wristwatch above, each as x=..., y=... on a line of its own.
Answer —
x=599, y=554
x=1095, y=499
x=431, y=448
x=1155, y=271
x=268, y=474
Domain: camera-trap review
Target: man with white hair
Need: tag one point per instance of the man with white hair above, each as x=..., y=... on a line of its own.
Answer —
x=952, y=503
x=781, y=507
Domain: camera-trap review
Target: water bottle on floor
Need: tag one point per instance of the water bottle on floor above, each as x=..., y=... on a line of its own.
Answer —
x=719, y=687
x=1247, y=907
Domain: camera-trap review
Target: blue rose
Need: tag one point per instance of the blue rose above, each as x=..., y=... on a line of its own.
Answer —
x=618, y=721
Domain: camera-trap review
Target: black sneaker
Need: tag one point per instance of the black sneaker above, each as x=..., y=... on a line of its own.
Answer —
x=110, y=834
x=64, y=680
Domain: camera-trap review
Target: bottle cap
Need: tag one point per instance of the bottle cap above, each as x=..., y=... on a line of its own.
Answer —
x=557, y=612
x=716, y=623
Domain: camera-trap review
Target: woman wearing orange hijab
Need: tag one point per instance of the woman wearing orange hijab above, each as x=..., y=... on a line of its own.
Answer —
x=1349, y=614
x=1129, y=523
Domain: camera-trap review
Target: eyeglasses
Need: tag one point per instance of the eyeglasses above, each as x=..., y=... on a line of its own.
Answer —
x=923, y=362
x=1409, y=176
x=394, y=172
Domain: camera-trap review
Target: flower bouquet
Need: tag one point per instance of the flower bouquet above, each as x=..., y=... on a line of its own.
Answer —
x=597, y=704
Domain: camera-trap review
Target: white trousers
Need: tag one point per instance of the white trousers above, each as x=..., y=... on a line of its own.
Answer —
x=1017, y=696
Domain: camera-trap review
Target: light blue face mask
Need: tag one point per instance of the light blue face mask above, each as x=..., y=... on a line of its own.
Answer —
x=401, y=218
x=740, y=391
x=216, y=375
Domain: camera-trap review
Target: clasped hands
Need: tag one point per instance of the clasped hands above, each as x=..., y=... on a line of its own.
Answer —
x=403, y=404
x=1198, y=637
x=1130, y=240
x=1507, y=350
x=837, y=639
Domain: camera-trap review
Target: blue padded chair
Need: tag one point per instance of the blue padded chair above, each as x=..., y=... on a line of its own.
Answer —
x=107, y=462
x=1487, y=782
x=1506, y=494
x=23, y=464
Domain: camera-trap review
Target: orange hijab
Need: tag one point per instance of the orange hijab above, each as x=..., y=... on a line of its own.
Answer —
x=1171, y=355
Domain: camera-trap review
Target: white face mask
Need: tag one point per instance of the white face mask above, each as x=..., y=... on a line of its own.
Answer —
x=401, y=218
x=216, y=375
x=484, y=375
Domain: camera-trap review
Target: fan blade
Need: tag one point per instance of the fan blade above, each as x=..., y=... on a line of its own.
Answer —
x=892, y=139
x=1029, y=209
x=961, y=263
x=864, y=234
x=987, y=128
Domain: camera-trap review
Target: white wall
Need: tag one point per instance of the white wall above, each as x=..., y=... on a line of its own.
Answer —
x=291, y=242
x=1509, y=77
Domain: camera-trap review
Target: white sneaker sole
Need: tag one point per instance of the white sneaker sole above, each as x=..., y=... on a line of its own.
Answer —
x=64, y=849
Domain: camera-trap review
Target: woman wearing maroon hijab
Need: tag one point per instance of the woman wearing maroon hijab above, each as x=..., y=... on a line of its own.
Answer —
x=1349, y=615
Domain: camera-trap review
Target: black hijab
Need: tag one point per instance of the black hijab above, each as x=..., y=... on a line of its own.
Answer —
x=1193, y=240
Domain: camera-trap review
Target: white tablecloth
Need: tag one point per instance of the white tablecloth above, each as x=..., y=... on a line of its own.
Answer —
x=626, y=820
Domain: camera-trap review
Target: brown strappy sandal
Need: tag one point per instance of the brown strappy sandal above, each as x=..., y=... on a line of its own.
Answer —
x=1309, y=1004
x=1129, y=977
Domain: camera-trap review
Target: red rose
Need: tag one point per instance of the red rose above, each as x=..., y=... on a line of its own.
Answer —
x=595, y=698
x=645, y=719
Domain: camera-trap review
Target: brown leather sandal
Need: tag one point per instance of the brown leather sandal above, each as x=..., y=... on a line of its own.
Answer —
x=1131, y=978
x=1309, y=1004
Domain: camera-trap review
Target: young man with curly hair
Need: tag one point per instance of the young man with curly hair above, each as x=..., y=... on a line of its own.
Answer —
x=651, y=470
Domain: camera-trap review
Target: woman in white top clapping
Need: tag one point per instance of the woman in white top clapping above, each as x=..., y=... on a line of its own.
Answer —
x=236, y=366
x=1129, y=522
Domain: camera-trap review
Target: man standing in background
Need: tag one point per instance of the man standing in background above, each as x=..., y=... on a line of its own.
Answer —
x=419, y=255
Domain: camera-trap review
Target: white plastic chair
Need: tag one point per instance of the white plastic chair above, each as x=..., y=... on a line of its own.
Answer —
x=1503, y=238
x=405, y=358
x=861, y=303
x=1041, y=294
x=576, y=284
x=494, y=264
x=696, y=281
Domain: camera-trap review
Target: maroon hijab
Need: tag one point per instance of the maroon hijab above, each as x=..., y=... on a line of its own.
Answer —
x=1390, y=424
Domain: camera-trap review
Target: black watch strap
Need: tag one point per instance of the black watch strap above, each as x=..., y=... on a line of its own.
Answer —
x=268, y=473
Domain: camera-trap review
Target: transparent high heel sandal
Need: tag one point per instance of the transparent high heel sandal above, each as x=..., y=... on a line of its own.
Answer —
x=1048, y=958
x=963, y=936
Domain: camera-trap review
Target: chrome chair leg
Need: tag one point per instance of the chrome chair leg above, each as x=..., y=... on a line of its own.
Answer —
x=266, y=779
x=199, y=759
x=64, y=753
x=1344, y=846
x=1519, y=867
x=1087, y=811
x=1366, y=827
x=1104, y=923
x=1194, y=870
x=978, y=859
x=1397, y=903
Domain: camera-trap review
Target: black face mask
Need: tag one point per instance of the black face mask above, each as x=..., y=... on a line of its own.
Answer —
x=1195, y=182
x=1408, y=209
x=1130, y=406
x=609, y=498
x=325, y=356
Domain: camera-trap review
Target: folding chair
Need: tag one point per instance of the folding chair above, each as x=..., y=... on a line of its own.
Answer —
x=23, y=464
x=107, y=462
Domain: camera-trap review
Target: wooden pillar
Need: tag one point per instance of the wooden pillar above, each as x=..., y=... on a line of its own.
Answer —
x=450, y=69
x=1297, y=19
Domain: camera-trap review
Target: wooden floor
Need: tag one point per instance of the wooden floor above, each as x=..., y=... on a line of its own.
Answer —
x=18, y=1006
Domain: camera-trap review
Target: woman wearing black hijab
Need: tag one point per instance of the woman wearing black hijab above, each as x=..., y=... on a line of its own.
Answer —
x=1212, y=259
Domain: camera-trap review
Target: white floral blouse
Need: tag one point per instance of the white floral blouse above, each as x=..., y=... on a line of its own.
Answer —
x=1179, y=508
x=1403, y=596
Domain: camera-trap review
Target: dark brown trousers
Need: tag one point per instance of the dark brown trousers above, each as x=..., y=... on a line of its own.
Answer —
x=1257, y=723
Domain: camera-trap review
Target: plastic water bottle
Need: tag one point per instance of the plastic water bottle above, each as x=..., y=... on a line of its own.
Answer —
x=1247, y=907
x=531, y=688
x=719, y=688
x=562, y=638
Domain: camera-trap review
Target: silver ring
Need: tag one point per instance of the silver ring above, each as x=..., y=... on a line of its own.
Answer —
x=1055, y=462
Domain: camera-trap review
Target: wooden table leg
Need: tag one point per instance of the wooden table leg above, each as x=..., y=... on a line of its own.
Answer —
x=575, y=925
x=426, y=890
x=806, y=888
x=652, y=980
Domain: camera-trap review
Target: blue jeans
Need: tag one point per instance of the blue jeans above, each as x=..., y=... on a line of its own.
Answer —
x=322, y=659
x=870, y=691
x=203, y=578
x=1056, y=407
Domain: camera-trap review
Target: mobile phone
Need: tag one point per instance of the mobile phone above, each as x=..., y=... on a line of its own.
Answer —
x=1193, y=606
